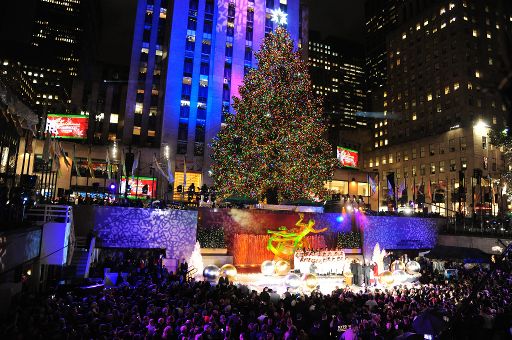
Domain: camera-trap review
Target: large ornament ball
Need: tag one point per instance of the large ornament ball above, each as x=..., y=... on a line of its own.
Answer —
x=386, y=277
x=211, y=273
x=282, y=267
x=292, y=280
x=311, y=281
x=267, y=268
x=229, y=271
x=399, y=276
x=412, y=267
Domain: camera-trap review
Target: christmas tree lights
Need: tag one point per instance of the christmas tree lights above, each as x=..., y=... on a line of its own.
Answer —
x=276, y=139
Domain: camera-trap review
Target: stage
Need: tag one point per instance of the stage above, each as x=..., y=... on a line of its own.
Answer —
x=326, y=284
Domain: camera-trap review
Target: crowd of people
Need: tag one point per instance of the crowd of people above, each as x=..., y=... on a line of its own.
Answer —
x=155, y=304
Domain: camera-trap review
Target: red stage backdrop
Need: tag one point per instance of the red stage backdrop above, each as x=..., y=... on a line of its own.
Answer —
x=252, y=249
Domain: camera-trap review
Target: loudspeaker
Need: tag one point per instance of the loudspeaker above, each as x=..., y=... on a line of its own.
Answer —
x=28, y=181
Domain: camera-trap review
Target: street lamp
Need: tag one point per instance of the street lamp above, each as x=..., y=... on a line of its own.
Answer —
x=481, y=127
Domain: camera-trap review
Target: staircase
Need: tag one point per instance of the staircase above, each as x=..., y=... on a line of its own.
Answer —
x=81, y=260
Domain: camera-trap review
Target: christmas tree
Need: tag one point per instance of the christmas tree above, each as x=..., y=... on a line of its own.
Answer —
x=276, y=140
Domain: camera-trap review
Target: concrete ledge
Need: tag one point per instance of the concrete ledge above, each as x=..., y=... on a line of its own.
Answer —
x=489, y=245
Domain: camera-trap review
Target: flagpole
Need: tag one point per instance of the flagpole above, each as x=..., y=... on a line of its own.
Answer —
x=378, y=192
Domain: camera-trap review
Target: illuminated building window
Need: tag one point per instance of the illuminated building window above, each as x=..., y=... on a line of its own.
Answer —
x=475, y=33
x=451, y=6
x=425, y=23
x=114, y=118
x=478, y=74
x=404, y=36
x=470, y=86
x=489, y=35
x=414, y=117
x=138, y=107
x=490, y=61
x=442, y=11
x=443, y=25
x=453, y=19
x=385, y=142
x=418, y=26
x=136, y=130
x=455, y=86
x=429, y=97
x=447, y=90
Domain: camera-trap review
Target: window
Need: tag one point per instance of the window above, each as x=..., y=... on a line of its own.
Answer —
x=451, y=145
x=463, y=144
x=390, y=158
x=453, y=165
x=442, y=148
x=431, y=150
x=429, y=97
x=414, y=117
x=422, y=152
x=398, y=157
x=414, y=172
x=478, y=74
x=414, y=153
x=432, y=168
x=441, y=167
x=422, y=170
x=484, y=142
x=455, y=86
x=406, y=156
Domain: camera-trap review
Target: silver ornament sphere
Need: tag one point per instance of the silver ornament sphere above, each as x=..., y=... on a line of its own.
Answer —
x=412, y=267
x=267, y=268
x=292, y=280
x=211, y=273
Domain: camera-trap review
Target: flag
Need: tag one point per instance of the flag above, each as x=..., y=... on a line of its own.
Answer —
x=391, y=184
x=75, y=163
x=89, y=163
x=135, y=163
x=108, y=165
x=63, y=153
x=390, y=189
x=373, y=186
x=159, y=168
x=46, y=148
x=401, y=189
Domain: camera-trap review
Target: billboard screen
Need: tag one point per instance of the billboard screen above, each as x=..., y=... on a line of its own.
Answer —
x=67, y=126
x=348, y=158
x=136, y=186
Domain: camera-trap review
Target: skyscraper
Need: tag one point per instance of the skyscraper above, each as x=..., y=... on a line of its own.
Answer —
x=337, y=74
x=214, y=45
x=445, y=63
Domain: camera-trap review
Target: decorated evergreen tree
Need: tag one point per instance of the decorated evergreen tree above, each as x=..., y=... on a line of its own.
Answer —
x=276, y=140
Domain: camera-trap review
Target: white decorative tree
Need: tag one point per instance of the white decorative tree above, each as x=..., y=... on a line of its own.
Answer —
x=378, y=257
x=196, y=260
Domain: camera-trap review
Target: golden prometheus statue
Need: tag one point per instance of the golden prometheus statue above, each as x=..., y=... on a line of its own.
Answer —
x=284, y=242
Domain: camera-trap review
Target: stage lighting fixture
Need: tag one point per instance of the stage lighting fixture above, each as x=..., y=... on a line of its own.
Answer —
x=112, y=186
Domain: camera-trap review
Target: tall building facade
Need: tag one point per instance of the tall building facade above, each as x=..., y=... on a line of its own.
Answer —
x=444, y=64
x=337, y=74
x=211, y=48
x=142, y=121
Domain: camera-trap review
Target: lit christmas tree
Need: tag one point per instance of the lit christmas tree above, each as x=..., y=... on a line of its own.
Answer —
x=275, y=143
x=196, y=260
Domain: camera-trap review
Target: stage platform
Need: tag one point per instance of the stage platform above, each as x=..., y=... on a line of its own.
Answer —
x=327, y=284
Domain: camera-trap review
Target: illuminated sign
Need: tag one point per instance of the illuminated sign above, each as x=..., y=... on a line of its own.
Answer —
x=67, y=126
x=137, y=185
x=348, y=158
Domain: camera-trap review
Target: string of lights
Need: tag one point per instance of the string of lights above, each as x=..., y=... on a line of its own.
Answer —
x=275, y=140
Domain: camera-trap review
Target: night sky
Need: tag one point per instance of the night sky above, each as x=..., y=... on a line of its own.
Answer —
x=340, y=18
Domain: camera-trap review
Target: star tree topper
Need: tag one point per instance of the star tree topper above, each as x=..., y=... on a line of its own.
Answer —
x=279, y=17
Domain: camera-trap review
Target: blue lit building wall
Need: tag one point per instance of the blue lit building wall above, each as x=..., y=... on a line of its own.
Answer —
x=211, y=46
